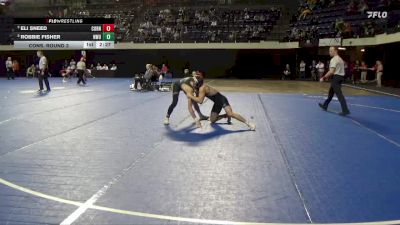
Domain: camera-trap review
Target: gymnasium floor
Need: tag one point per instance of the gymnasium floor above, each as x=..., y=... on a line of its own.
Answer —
x=101, y=155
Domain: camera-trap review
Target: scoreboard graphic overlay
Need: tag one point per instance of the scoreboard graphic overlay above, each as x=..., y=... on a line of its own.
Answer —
x=48, y=33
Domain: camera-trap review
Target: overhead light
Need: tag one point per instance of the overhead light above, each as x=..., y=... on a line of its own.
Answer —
x=363, y=50
x=341, y=48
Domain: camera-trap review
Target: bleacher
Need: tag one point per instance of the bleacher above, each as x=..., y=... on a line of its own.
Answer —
x=323, y=20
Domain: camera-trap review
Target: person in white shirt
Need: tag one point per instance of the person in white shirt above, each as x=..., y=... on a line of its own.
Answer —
x=302, y=69
x=336, y=70
x=321, y=69
x=105, y=67
x=81, y=67
x=9, y=68
x=379, y=72
x=44, y=72
x=114, y=67
x=98, y=67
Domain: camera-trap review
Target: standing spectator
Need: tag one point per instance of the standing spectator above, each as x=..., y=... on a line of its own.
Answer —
x=81, y=67
x=9, y=67
x=379, y=72
x=286, y=72
x=364, y=72
x=302, y=69
x=43, y=71
x=15, y=68
x=30, y=71
x=313, y=69
x=355, y=73
x=164, y=69
x=320, y=68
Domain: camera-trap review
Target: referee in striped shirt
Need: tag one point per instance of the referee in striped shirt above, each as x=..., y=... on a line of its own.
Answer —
x=336, y=69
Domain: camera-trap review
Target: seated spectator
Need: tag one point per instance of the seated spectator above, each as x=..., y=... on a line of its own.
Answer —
x=113, y=67
x=72, y=64
x=99, y=67
x=104, y=67
x=352, y=8
x=332, y=3
x=362, y=6
x=305, y=13
x=30, y=71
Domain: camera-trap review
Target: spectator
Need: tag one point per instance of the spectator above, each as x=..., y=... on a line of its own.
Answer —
x=313, y=69
x=305, y=13
x=355, y=73
x=378, y=73
x=66, y=64
x=364, y=72
x=164, y=69
x=321, y=69
x=286, y=72
x=113, y=67
x=302, y=69
x=99, y=67
x=15, y=68
x=9, y=68
x=30, y=71
x=352, y=8
x=186, y=73
x=72, y=64
x=362, y=6
x=104, y=67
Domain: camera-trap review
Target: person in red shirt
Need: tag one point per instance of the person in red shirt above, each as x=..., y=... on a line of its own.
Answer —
x=15, y=67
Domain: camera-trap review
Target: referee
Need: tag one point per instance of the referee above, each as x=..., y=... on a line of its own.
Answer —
x=336, y=69
x=44, y=71
x=81, y=67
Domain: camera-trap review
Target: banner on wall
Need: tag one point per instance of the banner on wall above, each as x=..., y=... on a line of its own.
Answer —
x=330, y=42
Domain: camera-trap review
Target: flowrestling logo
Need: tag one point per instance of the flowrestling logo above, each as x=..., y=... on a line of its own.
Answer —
x=377, y=14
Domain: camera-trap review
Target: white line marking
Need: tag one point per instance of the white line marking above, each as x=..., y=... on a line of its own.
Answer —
x=374, y=107
x=377, y=133
x=82, y=209
x=371, y=90
x=170, y=218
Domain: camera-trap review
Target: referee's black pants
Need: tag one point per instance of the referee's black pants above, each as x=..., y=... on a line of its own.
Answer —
x=80, y=75
x=44, y=78
x=336, y=88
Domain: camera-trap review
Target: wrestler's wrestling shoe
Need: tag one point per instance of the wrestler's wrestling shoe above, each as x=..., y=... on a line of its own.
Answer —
x=251, y=126
x=166, y=121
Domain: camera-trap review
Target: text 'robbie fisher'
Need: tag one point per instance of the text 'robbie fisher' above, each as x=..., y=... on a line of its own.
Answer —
x=43, y=33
